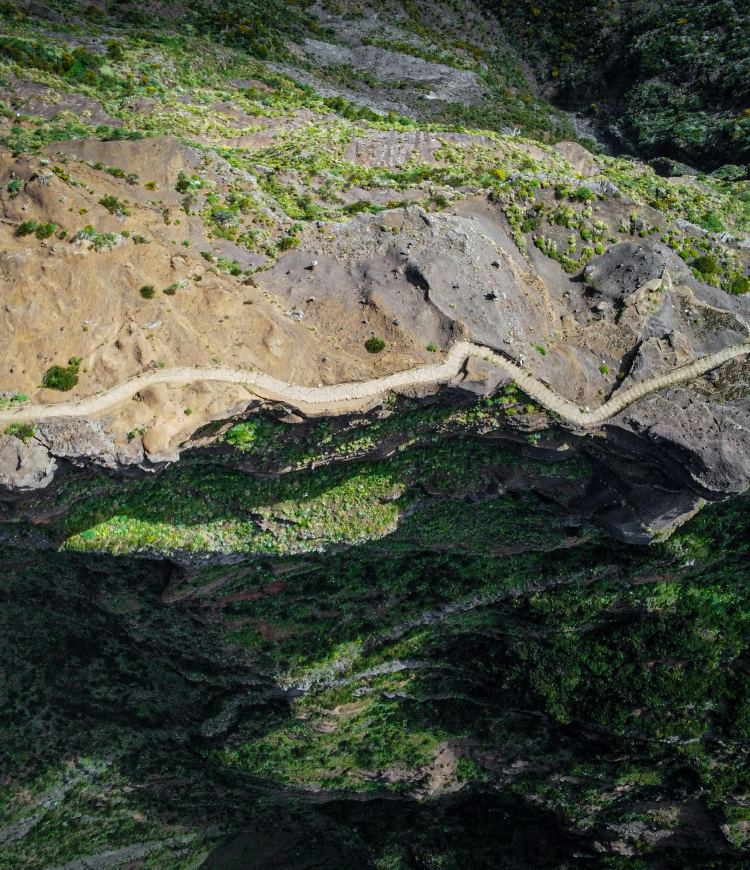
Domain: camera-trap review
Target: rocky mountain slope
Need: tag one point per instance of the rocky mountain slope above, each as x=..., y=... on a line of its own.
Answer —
x=341, y=386
x=665, y=81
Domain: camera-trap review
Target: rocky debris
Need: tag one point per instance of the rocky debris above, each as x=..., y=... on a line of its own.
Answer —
x=658, y=355
x=390, y=148
x=25, y=464
x=600, y=186
x=80, y=442
x=668, y=168
x=377, y=101
x=686, y=225
x=447, y=83
x=579, y=158
x=481, y=378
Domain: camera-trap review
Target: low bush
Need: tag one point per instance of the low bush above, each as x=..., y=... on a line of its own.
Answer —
x=26, y=228
x=62, y=378
x=22, y=431
x=114, y=205
x=287, y=243
x=147, y=291
x=739, y=286
x=374, y=345
x=706, y=265
x=44, y=231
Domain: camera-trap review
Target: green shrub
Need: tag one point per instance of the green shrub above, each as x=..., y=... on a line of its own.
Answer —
x=62, y=378
x=26, y=228
x=185, y=183
x=15, y=187
x=114, y=51
x=44, y=231
x=22, y=431
x=706, y=265
x=140, y=239
x=171, y=290
x=147, y=291
x=431, y=348
x=374, y=345
x=738, y=286
x=113, y=205
x=287, y=243
x=711, y=223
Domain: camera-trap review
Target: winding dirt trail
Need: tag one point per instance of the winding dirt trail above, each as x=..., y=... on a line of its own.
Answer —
x=319, y=400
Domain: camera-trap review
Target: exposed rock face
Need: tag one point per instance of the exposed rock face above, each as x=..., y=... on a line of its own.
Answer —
x=460, y=265
x=481, y=378
x=579, y=158
x=446, y=83
x=638, y=313
x=657, y=355
x=25, y=465
x=78, y=441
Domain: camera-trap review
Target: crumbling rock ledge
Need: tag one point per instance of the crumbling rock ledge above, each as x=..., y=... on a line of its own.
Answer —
x=658, y=454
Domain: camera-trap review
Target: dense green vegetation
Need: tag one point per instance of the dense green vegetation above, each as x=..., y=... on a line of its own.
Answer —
x=674, y=77
x=467, y=645
x=584, y=689
x=62, y=378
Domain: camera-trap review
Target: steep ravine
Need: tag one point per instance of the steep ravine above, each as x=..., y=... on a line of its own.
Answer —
x=459, y=694
x=374, y=450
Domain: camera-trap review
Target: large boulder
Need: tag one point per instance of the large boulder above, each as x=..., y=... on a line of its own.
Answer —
x=24, y=464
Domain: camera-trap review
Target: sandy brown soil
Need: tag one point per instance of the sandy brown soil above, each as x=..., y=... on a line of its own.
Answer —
x=422, y=281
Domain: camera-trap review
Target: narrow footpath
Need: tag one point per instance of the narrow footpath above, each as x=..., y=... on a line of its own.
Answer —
x=337, y=398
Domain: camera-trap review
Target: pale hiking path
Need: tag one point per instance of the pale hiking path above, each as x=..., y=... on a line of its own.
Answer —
x=319, y=400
